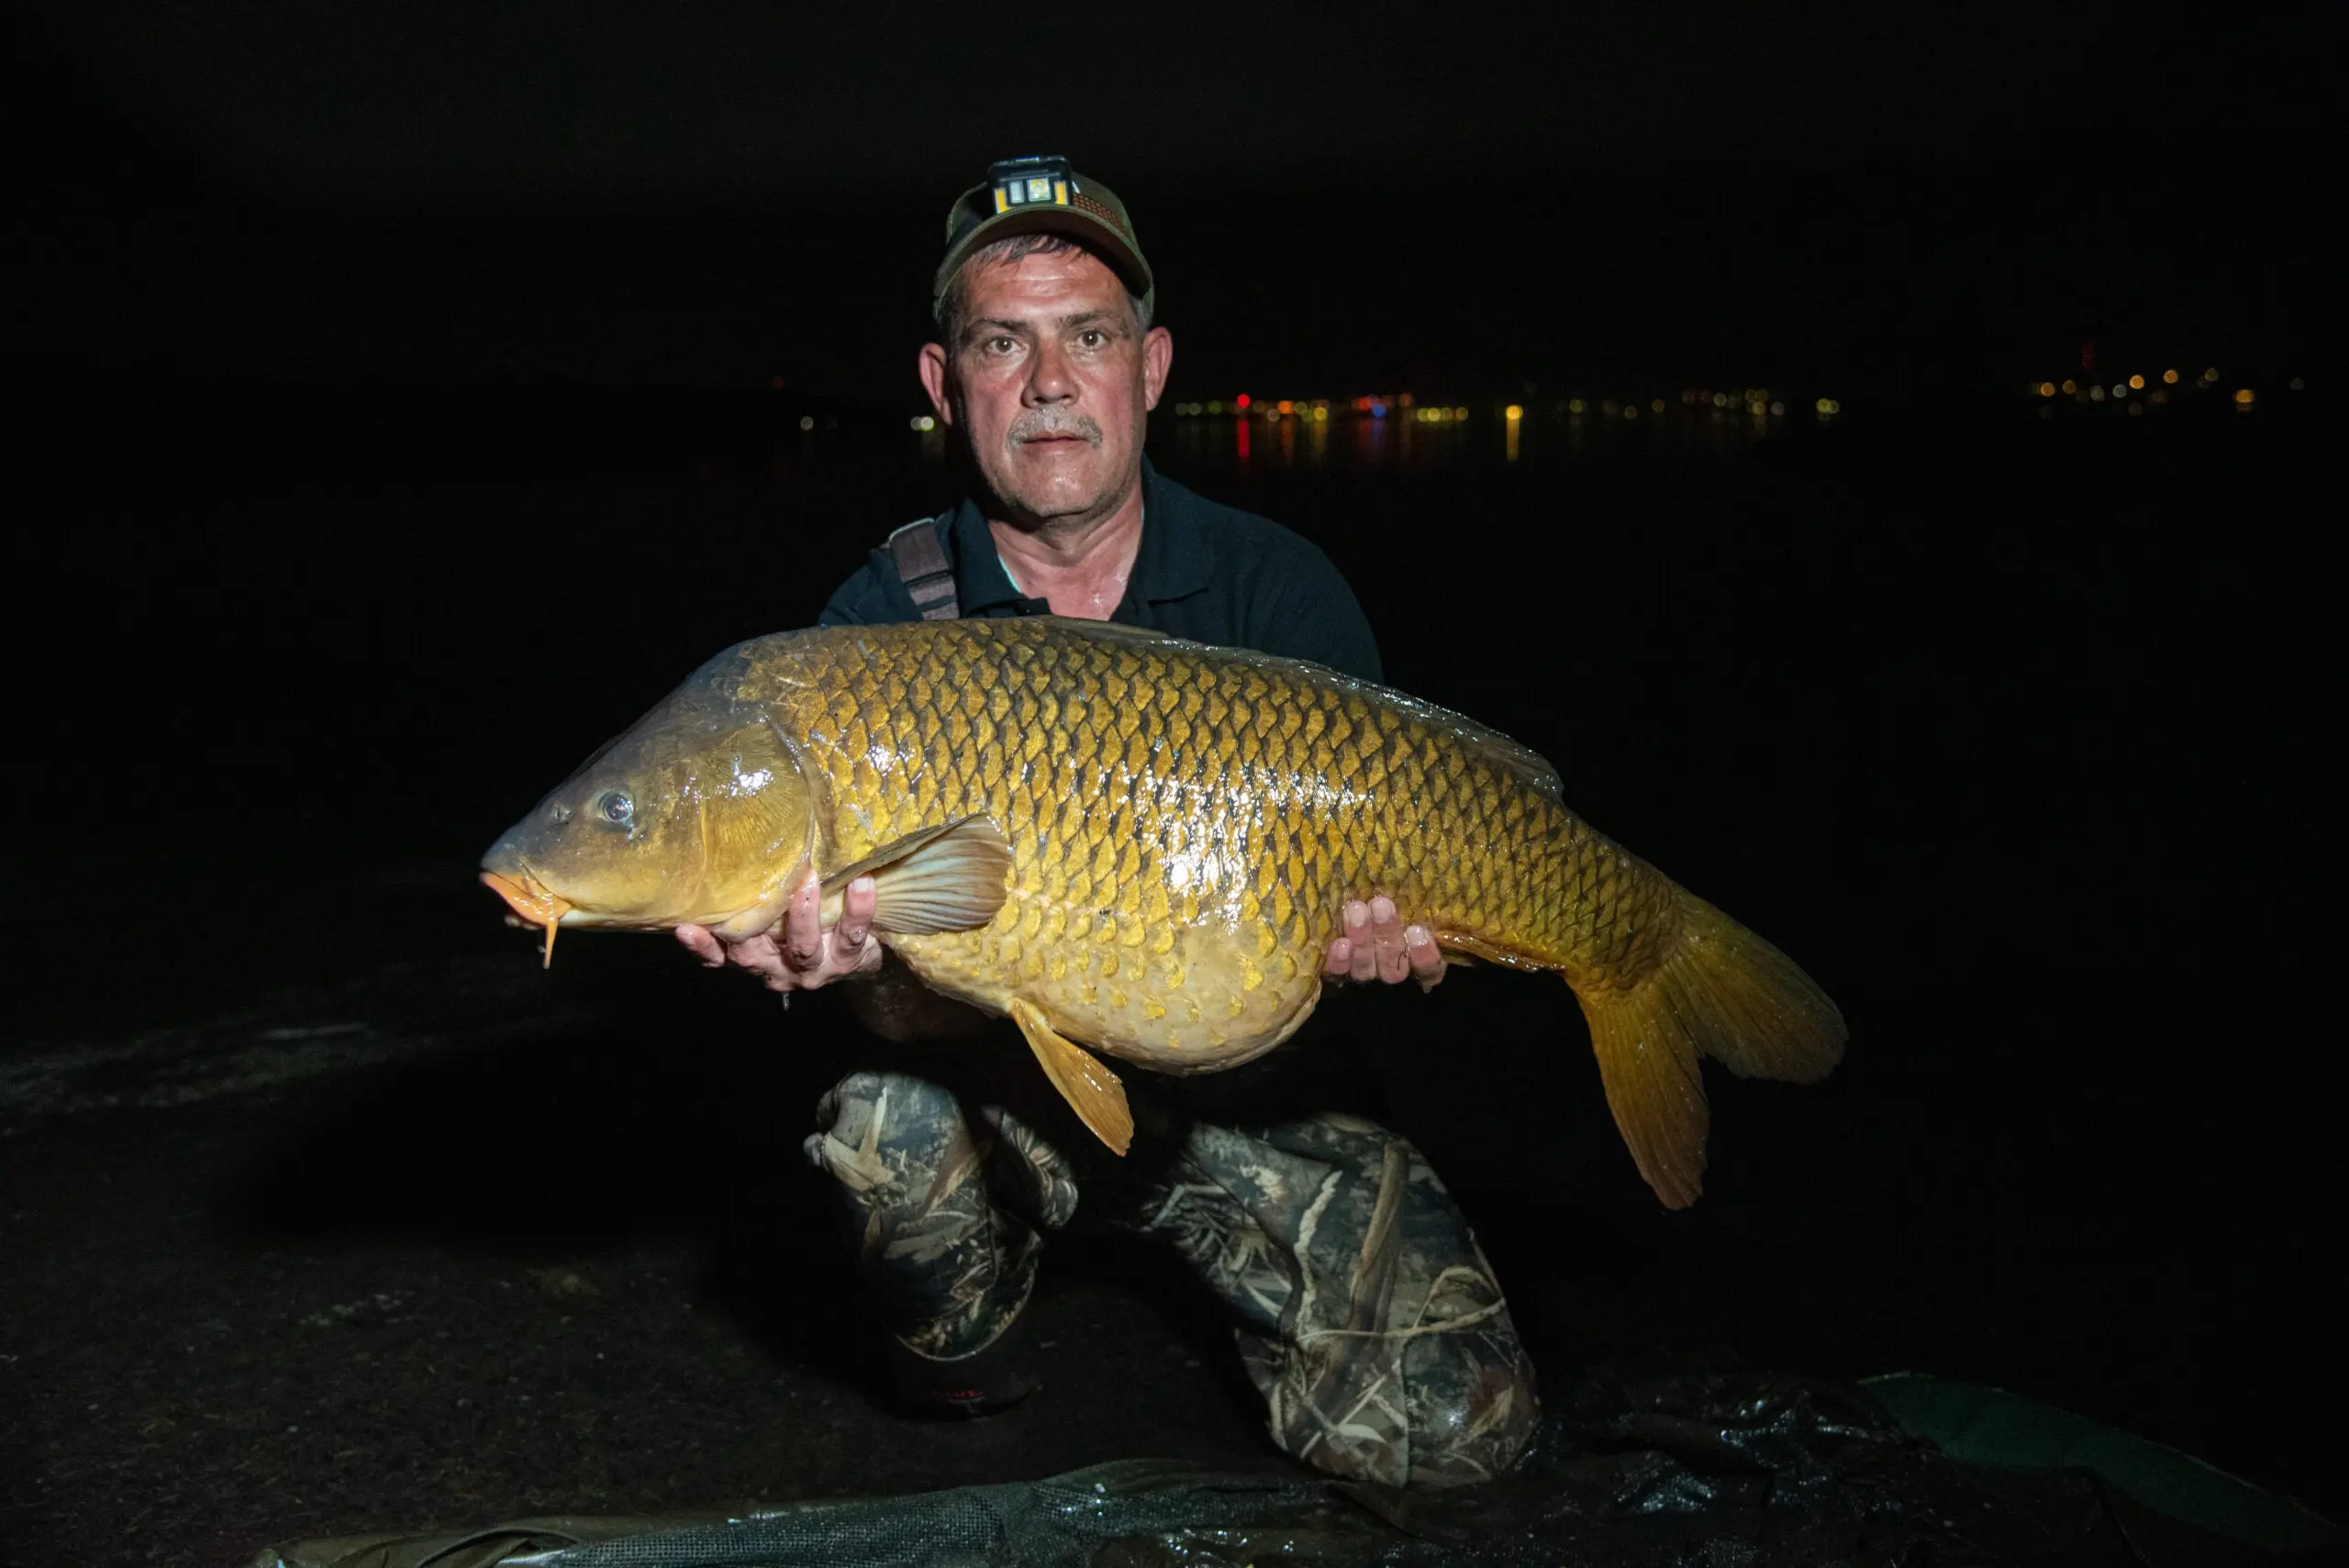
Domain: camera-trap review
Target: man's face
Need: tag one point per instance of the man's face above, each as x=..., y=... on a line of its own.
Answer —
x=1052, y=384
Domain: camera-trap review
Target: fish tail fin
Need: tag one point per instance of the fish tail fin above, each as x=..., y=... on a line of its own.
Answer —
x=1721, y=992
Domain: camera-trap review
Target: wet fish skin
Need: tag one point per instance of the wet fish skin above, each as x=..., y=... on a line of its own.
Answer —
x=1184, y=827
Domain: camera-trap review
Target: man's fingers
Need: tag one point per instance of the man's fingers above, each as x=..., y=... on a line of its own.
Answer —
x=1340, y=959
x=1362, y=957
x=1426, y=958
x=759, y=954
x=1387, y=937
x=856, y=915
x=802, y=932
x=703, y=946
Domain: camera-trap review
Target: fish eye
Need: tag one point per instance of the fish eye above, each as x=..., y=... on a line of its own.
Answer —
x=614, y=806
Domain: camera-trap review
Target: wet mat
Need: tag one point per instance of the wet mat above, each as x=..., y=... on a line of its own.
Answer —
x=1629, y=1470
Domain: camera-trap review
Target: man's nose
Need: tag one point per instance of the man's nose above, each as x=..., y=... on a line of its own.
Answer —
x=1049, y=380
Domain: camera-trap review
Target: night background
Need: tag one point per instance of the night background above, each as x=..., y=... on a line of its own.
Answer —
x=404, y=396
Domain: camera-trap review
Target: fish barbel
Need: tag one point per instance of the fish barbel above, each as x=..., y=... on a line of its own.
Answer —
x=1142, y=847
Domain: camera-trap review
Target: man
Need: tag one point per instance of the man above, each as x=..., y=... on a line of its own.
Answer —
x=1366, y=1314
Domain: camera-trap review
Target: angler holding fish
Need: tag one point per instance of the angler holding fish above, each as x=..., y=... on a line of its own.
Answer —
x=1153, y=841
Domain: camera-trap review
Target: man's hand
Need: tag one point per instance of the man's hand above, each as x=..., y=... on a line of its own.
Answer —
x=1378, y=946
x=810, y=953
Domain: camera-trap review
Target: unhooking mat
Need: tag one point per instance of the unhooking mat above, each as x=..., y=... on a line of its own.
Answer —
x=1629, y=1470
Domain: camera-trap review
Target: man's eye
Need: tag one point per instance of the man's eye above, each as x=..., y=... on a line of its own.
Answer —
x=1092, y=337
x=1000, y=345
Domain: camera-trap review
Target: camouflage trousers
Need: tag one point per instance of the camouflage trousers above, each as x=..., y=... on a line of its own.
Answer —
x=1365, y=1310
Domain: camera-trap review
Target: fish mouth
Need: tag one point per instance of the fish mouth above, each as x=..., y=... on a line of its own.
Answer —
x=532, y=902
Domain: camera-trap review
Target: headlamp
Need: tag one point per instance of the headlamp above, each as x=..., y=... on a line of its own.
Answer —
x=1030, y=182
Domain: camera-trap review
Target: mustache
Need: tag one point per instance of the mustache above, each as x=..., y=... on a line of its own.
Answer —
x=1039, y=423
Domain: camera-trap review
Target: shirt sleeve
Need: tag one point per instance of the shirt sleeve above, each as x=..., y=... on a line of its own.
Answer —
x=871, y=597
x=1313, y=614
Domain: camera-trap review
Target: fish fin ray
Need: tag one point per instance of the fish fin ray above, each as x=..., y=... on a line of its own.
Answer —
x=1721, y=992
x=1648, y=1063
x=1745, y=1003
x=950, y=877
x=1461, y=947
x=1092, y=1090
x=1511, y=753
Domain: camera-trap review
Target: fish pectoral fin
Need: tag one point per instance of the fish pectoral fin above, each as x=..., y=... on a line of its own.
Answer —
x=947, y=878
x=1084, y=1079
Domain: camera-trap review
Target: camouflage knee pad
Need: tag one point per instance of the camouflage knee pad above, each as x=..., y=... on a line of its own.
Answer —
x=1368, y=1315
x=942, y=1210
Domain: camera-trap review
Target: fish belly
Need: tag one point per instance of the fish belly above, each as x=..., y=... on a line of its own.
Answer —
x=1195, y=998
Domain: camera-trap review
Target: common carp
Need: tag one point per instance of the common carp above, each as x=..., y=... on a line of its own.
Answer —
x=1141, y=846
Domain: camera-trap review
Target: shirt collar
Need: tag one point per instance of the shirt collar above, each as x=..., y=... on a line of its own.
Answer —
x=979, y=576
x=1172, y=561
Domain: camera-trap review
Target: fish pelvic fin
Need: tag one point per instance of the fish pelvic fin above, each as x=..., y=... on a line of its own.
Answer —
x=1092, y=1090
x=1721, y=992
x=951, y=877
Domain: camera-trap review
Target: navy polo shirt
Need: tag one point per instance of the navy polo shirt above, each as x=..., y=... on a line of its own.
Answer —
x=1205, y=572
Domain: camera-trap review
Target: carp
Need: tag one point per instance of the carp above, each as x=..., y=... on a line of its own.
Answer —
x=1139, y=847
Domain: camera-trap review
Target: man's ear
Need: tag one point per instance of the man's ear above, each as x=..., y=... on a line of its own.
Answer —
x=932, y=371
x=1157, y=359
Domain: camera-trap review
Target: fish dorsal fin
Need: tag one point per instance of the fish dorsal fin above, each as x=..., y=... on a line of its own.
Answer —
x=1509, y=753
x=1114, y=631
x=1092, y=1090
x=947, y=878
x=1513, y=754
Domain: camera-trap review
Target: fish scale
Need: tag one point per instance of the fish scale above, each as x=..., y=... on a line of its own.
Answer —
x=1180, y=793
x=1143, y=847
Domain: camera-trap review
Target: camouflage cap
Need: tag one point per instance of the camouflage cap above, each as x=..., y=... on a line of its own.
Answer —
x=1028, y=196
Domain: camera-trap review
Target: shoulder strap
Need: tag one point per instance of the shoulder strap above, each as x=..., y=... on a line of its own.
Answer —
x=921, y=566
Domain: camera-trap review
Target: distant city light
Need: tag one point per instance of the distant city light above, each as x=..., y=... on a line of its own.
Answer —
x=1577, y=405
x=2245, y=397
x=2137, y=383
x=806, y=421
x=1632, y=412
x=1240, y=401
x=1828, y=406
x=1513, y=413
x=1321, y=413
x=2070, y=386
x=2211, y=374
x=2296, y=383
x=1377, y=409
x=1777, y=409
x=1214, y=406
x=2170, y=377
x=1657, y=406
x=924, y=422
x=2096, y=395
x=2046, y=389
x=1285, y=406
x=1721, y=399
x=1459, y=412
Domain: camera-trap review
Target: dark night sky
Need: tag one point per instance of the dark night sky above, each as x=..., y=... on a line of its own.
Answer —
x=717, y=195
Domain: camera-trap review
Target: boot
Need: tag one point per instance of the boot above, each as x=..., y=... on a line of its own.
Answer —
x=948, y=1267
x=1367, y=1314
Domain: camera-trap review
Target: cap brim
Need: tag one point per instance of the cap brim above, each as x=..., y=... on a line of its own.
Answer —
x=1077, y=224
